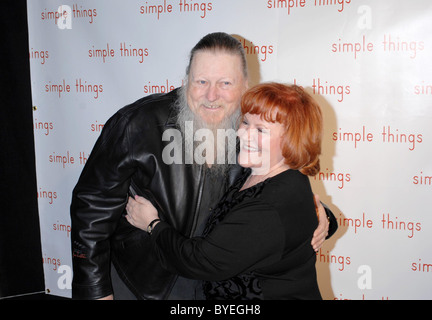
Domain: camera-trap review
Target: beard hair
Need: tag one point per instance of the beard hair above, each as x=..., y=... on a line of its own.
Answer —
x=225, y=145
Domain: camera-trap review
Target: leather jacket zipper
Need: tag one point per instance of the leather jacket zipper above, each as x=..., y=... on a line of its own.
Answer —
x=202, y=177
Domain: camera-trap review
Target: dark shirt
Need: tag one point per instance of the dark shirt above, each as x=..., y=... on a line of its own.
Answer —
x=256, y=244
x=213, y=190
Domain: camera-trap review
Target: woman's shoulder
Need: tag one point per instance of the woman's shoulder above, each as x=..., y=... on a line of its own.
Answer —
x=287, y=184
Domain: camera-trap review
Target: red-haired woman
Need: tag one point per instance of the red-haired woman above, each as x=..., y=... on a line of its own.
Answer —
x=256, y=245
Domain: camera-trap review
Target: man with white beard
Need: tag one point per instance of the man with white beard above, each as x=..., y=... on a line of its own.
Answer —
x=130, y=159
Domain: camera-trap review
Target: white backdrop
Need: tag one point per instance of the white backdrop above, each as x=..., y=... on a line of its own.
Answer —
x=367, y=62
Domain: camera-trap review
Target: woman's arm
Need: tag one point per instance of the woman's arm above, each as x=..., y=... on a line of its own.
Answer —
x=248, y=238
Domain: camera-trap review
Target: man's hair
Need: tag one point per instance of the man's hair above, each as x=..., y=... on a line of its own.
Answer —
x=219, y=41
x=301, y=117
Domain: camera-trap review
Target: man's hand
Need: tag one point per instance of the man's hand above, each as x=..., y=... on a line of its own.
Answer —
x=321, y=232
x=110, y=297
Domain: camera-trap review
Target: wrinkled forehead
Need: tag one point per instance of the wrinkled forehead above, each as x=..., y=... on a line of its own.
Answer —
x=211, y=56
x=216, y=59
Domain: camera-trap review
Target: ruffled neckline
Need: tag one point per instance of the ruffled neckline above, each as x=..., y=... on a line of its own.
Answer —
x=232, y=197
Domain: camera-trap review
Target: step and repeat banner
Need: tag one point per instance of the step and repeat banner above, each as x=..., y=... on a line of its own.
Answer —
x=367, y=62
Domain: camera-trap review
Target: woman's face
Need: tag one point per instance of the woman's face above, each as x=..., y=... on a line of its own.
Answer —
x=260, y=144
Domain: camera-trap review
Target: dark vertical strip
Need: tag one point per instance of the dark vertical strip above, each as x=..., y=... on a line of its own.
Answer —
x=21, y=270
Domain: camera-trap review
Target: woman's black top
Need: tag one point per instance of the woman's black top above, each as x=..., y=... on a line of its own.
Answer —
x=256, y=245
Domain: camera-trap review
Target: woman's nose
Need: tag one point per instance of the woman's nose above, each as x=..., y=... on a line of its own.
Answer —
x=246, y=134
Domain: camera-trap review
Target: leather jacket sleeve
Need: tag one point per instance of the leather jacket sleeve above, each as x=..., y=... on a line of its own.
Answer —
x=98, y=201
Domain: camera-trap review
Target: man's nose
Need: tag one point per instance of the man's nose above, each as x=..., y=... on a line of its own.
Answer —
x=212, y=93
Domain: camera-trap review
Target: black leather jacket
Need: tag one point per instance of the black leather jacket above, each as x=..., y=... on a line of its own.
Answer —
x=127, y=160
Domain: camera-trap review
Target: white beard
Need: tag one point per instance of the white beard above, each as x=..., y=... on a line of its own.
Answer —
x=222, y=151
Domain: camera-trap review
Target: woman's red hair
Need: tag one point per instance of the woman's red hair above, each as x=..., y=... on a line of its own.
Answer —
x=301, y=117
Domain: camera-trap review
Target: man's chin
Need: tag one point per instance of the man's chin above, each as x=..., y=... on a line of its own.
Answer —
x=212, y=120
